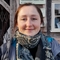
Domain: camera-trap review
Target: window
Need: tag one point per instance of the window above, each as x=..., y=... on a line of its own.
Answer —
x=55, y=22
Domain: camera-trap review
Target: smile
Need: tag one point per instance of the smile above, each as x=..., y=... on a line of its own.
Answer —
x=29, y=29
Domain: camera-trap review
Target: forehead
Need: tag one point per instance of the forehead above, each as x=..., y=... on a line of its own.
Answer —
x=28, y=10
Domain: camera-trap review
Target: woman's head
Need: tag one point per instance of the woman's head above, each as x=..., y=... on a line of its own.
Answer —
x=28, y=19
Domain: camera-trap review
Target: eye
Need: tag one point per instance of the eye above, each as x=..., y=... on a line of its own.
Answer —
x=34, y=18
x=24, y=19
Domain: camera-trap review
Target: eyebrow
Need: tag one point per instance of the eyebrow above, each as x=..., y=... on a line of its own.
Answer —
x=31, y=15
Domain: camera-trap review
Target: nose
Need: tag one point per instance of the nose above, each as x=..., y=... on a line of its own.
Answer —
x=29, y=22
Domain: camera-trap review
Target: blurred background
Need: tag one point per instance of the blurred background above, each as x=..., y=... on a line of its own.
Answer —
x=51, y=17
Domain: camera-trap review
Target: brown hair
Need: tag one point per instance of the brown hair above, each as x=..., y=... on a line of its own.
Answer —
x=27, y=4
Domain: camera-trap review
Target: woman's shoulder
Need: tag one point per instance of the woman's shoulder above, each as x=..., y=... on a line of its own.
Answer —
x=47, y=40
x=54, y=45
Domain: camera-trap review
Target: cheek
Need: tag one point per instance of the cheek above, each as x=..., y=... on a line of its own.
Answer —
x=20, y=25
x=37, y=25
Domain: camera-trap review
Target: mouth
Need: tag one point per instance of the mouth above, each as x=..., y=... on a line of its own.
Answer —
x=29, y=30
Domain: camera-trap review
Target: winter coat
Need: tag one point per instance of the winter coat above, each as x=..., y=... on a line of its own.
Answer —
x=50, y=45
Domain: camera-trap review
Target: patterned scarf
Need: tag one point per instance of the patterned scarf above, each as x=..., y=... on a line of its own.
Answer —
x=27, y=41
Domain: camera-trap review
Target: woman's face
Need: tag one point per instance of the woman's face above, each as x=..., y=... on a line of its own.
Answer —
x=28, y=21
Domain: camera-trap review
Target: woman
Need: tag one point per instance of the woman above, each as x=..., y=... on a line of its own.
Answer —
x=28, y=42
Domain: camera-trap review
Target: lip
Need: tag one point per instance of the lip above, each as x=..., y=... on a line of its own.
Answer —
x=29, y=29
